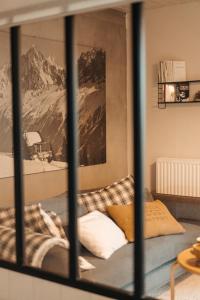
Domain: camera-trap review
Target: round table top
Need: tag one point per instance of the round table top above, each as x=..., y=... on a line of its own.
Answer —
x=189, y=261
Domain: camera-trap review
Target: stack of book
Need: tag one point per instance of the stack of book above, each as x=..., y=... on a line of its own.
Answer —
x=173, y=73
x=172, y=70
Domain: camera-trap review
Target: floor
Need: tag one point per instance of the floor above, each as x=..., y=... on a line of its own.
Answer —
x=186, y=289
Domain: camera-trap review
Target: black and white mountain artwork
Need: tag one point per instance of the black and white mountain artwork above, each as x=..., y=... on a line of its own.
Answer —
x=44, y=106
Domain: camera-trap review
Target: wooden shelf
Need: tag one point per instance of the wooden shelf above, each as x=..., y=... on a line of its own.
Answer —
x=161, y=92
x=178, y=102
x=184, y=81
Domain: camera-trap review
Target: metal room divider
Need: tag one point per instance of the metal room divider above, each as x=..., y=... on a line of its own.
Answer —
x=138, y=73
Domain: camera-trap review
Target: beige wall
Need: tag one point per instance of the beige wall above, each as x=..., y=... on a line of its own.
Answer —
x=172, y=33
x=130, y=158
x=107, y=30
x=37, y=187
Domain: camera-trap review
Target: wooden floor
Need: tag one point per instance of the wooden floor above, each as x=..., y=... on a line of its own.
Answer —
x=186, y=289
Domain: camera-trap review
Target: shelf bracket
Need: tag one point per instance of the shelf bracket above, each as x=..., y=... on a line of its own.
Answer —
x=162, y=105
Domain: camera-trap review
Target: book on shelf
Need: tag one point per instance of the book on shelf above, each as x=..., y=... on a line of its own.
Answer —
x=170, y=92
x=182, y=92
x=179, y=71
x=171, y=71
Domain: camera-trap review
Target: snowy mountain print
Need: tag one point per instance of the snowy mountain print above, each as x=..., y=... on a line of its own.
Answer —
x=44, y=109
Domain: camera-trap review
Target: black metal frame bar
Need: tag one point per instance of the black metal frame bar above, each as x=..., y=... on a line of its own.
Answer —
x=17, y=143
x=72, y=144
x=138, y=113
x=138, y=109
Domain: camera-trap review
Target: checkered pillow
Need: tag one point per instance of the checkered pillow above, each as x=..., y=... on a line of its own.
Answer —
x=121, y=192
x=58, y=223
x=33, y=218
x=7, y=217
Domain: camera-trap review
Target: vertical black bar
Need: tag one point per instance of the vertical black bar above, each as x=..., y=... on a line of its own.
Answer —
x=72, y=144
x=17, y=143
x=138, y=113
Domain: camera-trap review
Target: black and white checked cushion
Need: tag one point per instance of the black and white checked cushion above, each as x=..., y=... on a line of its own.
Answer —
x=121, y=192
x=7, y=244
x=33, y=240
x=33, y=218
x=7, y=217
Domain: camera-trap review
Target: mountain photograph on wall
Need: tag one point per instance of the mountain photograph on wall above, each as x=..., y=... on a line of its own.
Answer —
x=44, y=115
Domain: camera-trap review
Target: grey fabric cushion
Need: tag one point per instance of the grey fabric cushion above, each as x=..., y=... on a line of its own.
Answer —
x=57, y=261
x=59, y=205
x=181, y=206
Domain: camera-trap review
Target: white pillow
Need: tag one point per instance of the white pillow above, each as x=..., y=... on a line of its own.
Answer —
x=100, y=235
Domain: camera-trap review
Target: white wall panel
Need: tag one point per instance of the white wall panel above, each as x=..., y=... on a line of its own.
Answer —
x=20, y=287
x=16, y=286
x=4, y=284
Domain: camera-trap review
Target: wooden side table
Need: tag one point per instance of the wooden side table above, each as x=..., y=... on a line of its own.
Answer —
x=188, y=261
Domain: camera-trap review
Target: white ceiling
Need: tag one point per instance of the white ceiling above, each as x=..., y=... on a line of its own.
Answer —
x=14, y=12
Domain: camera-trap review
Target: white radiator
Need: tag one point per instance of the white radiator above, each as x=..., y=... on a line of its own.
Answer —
x=178, y=176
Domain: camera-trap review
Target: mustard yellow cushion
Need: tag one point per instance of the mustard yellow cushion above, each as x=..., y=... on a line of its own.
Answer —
x=123, y=217
x=157, y=219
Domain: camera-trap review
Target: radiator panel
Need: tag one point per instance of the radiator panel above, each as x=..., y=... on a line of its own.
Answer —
x=178, y=176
